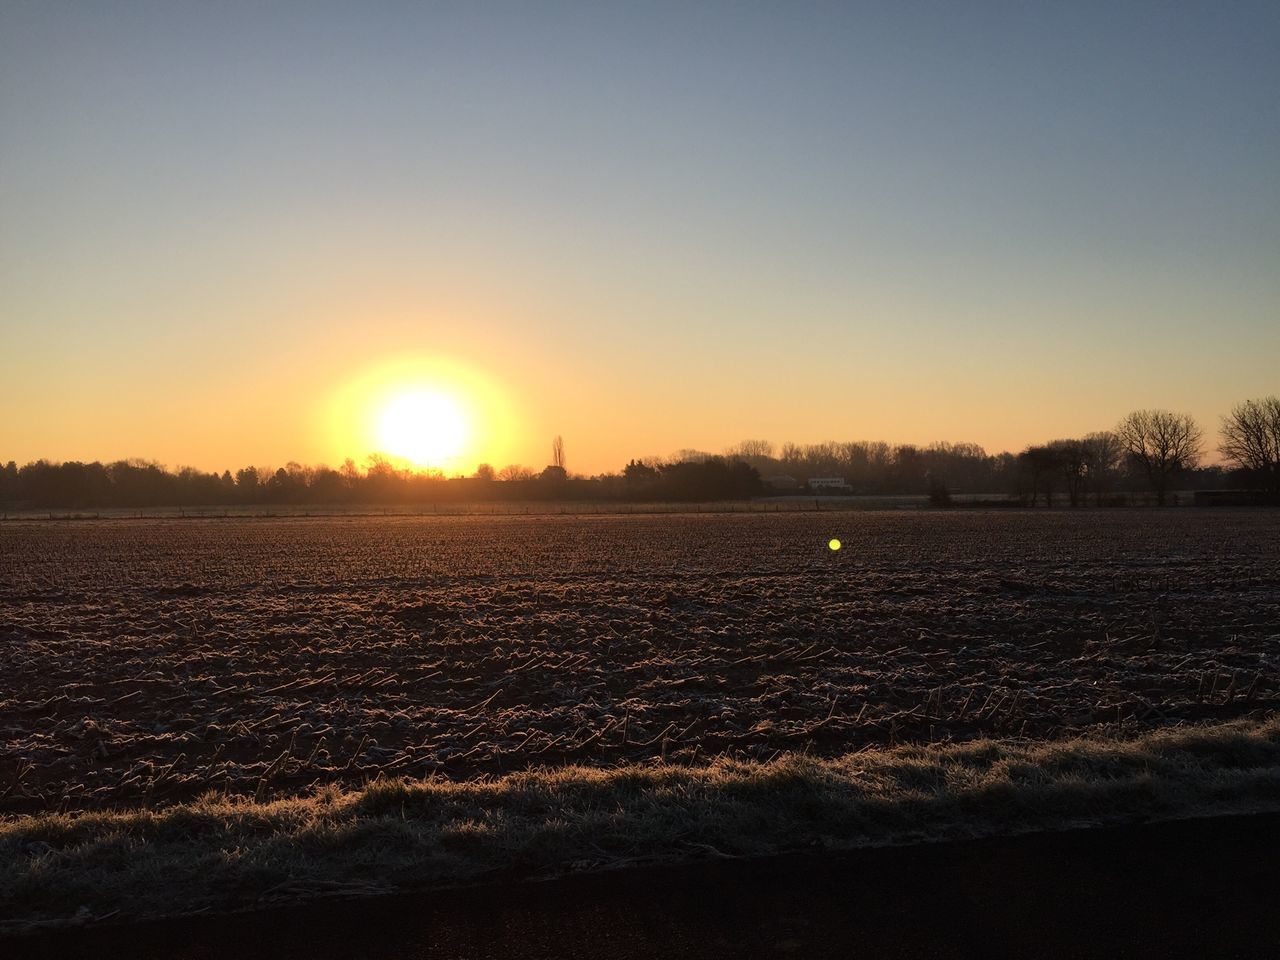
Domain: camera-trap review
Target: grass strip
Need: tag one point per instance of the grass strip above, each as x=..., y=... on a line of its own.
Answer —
x=219, y=854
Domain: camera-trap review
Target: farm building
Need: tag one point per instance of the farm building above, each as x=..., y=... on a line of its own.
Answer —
x=837, y=484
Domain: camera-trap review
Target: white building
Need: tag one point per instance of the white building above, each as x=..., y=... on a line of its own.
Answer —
x=829, y=483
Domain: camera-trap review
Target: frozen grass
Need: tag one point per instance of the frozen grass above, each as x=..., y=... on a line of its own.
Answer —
x=220, y=854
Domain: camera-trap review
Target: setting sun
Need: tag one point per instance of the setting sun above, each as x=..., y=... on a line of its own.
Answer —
x=423, y=426
x=421, y=411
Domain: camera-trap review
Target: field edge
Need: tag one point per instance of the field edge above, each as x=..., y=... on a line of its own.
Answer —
x=219, y=854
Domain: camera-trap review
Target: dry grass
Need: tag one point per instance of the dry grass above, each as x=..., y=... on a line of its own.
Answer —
x=223, y=854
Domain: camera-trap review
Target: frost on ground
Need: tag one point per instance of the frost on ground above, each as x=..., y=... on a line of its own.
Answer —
x=145, y=663
x=216, y=853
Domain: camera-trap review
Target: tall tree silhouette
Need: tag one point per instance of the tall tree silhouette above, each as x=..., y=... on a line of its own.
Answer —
x=1251, y=440
x=1160, y=443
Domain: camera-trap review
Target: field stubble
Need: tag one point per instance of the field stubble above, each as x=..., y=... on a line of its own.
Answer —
x=147, y=662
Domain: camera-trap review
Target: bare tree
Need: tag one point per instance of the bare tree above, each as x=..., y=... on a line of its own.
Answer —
x=689, y=455
x=1251, y=439
x=485, y=471
x=1102, y=457
x=1073, y=462
x=1161, y=443
x=1037, y=466
x=557, y=453
x=515, y=471
x=752, y=450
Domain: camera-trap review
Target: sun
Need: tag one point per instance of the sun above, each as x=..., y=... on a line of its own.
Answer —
x=422, y=425
x=421, y=411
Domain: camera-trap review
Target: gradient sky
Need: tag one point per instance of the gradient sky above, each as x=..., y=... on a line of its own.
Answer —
x=646, y=226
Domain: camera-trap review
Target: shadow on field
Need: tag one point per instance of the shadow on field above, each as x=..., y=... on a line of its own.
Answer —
x=1194, y=888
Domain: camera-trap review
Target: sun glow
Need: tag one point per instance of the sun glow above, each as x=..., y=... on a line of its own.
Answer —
x=422, y=426
x=422, y=412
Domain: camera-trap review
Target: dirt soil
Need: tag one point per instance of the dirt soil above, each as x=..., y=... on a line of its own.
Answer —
x=148, y=661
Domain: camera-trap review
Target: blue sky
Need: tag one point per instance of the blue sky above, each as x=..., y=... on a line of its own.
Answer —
x=647, y=226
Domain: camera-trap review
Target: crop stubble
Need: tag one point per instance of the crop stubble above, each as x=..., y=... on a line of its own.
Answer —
x=150, y=661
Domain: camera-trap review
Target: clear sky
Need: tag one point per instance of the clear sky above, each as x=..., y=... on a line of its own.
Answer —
x=225, y=227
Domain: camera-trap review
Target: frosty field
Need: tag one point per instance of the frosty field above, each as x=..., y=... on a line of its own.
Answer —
x=147, y=662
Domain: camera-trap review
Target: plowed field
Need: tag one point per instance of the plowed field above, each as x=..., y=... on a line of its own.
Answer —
x=149, y=661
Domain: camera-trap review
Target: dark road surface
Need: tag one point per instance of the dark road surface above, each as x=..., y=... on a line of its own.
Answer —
x=1207, y=888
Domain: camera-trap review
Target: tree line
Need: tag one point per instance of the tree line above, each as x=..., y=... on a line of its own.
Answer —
x=1150, y=451
x=140, y=483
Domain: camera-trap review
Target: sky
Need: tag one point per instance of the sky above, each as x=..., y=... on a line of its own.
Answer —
x=230, y=232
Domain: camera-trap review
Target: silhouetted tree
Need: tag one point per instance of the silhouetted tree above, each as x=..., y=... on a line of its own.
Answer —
x=909, y=468
x=9, y=481
x=1038, y=469
x=1085, y=466
x=72, y=484
x=714, y=478
x=515, y=471
x=350, y=473
x=327, y=486
x=141, y=483
x=1102, y=451
x=1160, y=443
x=247, y=484
x=383, y=482
x=638, y=472
x=1251, y=440
x=279, y=487
x=754, y=452
x=689, y=455
x=1073, y=465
